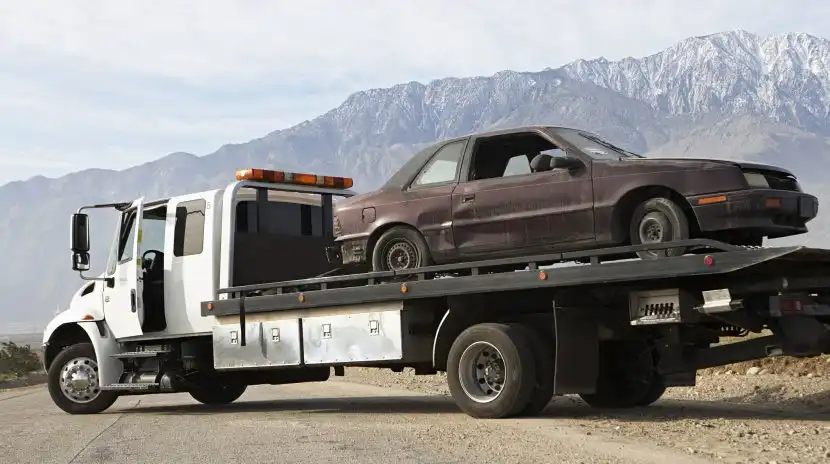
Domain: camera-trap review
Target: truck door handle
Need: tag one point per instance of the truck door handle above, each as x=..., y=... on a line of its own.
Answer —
x=132, y=300
x=468, y=197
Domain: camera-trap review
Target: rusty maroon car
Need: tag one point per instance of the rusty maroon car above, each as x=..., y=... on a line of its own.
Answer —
x=540, y=189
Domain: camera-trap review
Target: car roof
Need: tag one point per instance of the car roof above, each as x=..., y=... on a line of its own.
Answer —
x=404, y=174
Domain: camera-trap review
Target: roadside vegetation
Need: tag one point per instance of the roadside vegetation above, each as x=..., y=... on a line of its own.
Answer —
x=18, y=361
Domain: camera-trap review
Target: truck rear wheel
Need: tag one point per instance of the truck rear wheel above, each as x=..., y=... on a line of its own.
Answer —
x=74, y=384
x=217, y=392
x=491, y=371
x=627, y=376
x=543, y=356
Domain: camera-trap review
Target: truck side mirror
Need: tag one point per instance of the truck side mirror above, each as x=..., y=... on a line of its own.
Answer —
x=80, y=233
x=80, y=261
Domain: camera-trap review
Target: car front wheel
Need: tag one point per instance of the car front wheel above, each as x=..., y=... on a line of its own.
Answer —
x=658, y=220
x=400, y=248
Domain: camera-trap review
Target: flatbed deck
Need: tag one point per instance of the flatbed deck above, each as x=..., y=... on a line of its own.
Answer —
x=748, y=269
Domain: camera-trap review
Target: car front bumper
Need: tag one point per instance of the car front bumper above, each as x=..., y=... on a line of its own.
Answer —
x=771, y=213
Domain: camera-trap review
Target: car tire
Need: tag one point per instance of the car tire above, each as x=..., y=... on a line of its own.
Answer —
x=658, y=220
x=403, y=246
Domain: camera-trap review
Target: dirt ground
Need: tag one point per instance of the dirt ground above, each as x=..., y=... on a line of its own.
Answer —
x=730, y=416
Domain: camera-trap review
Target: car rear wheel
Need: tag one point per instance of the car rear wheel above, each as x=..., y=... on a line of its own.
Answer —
x=658, y=220
x=400, y=248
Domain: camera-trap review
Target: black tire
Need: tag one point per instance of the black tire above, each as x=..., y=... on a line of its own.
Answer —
x=627, y=376
x=658, y=220
x=519, y=373
x=80, y=360
x=654, y=393
x=544, y=358
x=217, y=393
x=404, y=242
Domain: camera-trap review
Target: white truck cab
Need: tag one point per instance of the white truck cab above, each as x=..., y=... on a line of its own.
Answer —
x=167, y=256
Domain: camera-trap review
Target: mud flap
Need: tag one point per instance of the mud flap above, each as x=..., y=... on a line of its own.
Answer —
x=577, y=350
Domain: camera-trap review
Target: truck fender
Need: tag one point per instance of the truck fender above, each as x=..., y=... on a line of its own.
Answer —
x=97, y=333
x=458, y=317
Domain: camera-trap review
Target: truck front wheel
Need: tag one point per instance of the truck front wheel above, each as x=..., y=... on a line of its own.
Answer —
x=491, y=371
x=217, y=392
x=74, y=384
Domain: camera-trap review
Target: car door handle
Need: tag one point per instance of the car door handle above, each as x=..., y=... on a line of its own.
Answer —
x=468, y=197
x=132, y=300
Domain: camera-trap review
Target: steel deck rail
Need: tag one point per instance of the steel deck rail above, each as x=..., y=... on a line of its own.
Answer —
x=470, y=278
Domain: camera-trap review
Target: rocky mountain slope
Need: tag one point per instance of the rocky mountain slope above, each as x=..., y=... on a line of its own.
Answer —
x=731, y=94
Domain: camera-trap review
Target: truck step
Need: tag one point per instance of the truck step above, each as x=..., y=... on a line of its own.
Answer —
x=139, y=386
x=141, y=354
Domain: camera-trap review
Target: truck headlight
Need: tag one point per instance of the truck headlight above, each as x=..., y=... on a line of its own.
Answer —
x=756, y=180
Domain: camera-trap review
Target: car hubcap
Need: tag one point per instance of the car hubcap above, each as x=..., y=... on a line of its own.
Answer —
x=482, y=372
x=651, y=229
x=401, y=255
x=79, y=380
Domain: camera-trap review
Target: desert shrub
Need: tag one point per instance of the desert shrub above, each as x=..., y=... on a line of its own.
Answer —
x=18, y=359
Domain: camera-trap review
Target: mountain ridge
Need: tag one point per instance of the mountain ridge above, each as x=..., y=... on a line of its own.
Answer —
x=731, y=93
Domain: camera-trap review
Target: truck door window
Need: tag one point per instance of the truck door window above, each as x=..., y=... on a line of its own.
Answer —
x=125, y=247
x=189, y=230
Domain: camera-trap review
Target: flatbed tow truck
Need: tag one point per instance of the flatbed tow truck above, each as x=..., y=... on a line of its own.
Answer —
x=227, y=301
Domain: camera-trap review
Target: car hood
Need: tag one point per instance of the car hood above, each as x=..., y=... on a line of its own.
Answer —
x=746, y=165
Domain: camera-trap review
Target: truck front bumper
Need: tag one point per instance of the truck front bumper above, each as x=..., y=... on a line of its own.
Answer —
x=771, y=213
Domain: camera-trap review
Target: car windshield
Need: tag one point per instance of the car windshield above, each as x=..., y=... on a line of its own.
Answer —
x=594, y=145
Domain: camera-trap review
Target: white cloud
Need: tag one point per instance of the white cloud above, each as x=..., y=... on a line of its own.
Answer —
x=146, y=77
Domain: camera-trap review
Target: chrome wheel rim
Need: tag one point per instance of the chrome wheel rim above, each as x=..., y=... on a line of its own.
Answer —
x=79, y=380
x=482, y=372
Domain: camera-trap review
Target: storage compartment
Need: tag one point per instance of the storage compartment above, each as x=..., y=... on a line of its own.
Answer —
x=347, y=338
x=268, y=344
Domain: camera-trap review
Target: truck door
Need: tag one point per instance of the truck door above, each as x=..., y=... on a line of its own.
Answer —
x=123, y=305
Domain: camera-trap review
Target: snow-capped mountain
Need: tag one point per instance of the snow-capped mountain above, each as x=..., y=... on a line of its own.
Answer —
x=731, y=94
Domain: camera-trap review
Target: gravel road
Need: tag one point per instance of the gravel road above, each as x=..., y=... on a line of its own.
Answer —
x=728, y=417
x=374, y=416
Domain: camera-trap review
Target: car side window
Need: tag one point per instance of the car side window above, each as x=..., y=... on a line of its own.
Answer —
x=443, y=167
x=509, y=155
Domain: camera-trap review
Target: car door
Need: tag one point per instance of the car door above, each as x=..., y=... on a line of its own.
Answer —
x=522, y=212
x=428, y=198
x=123, y=305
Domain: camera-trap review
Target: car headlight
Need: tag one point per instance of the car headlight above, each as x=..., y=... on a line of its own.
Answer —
x=756, y=180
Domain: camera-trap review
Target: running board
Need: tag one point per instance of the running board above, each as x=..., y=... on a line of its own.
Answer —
x=141, y=354
x=131, y=387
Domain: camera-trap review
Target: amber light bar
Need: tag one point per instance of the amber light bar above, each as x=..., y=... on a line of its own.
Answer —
x=284, y=177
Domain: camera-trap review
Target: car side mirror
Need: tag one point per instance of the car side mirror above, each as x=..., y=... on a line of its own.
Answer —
x=565, y=162
x=80, y=233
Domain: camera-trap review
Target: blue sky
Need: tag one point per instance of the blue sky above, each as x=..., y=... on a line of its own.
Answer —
x=114, y=83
